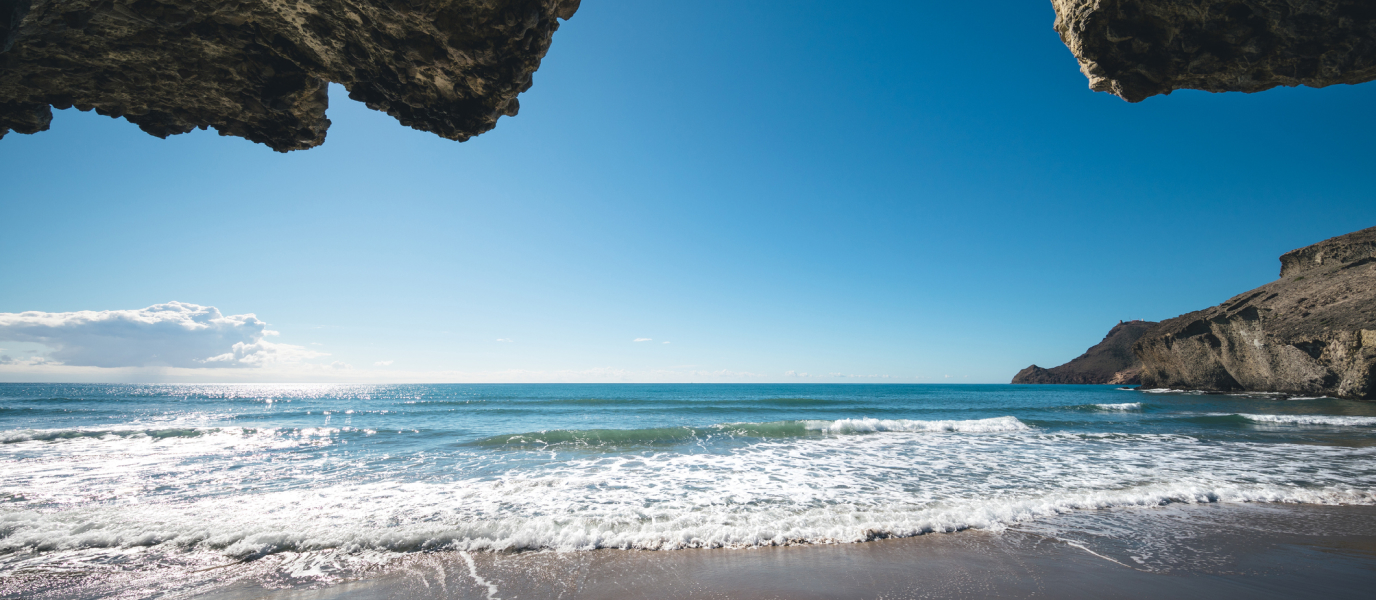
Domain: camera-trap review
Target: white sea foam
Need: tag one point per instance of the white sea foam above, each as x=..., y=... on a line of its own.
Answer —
x=1329, y=420
x=1121, y=407
x=171, y=433
x=473, y=572
x=866, y=425
x=771, y=492
x=207, y=491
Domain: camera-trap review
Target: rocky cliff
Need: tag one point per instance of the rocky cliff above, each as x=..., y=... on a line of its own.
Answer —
x=1311, y=332
x=258, y=69
x=1140, y=48
x=1109, y=361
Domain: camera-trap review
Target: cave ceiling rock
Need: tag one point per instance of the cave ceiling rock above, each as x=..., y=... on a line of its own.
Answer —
x=259, y=69
x=1136, y=49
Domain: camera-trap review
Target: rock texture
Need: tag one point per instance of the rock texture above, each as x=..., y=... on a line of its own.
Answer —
x=1312, y=332
x=1109, y=361
x=1140, y=48
x=258, y=69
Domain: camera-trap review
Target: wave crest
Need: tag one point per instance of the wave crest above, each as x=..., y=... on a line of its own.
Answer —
x=52, y=435
x=773, y=429
x=994, y=425
x=1330, y=420
x=1121, y=407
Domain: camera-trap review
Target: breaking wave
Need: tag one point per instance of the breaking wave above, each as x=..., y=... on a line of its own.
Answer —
x=994, y=425
x=1329, y=420
x=145, y=434
x=775, y=429
x=1113, y=407
x=779, y=492
x=49, y=435
x=1120, y=407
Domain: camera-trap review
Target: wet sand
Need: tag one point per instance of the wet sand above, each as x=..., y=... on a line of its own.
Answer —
x=1211, y=551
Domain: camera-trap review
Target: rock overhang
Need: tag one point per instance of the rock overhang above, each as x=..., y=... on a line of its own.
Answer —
x=1136, y=49
x=259, y=69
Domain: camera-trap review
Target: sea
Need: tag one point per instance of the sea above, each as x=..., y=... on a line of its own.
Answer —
x=143, y=491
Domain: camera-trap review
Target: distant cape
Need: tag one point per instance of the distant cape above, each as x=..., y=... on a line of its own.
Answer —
x=1310, y=333
x=1110, y=361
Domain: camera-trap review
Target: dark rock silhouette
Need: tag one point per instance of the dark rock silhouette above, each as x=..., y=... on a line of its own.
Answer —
x=1141, y=48
x=1109, y=361
x=1311, y=332
x=258, y=69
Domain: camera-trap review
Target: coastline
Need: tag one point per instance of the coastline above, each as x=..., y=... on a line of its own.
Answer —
x=1202, y=551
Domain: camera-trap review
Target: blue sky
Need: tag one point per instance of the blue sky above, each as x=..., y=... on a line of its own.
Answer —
x=774, y=188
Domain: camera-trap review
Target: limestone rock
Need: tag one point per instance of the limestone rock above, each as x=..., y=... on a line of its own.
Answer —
x=1140, y=48
x=258, y=69
x=1341, y=250
x=1129, y=376
x=1109, y=361
x=1311, y=332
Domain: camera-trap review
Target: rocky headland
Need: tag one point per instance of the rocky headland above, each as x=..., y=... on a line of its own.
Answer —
x=1312, y=332
x=1140, y=48
x=1109, y=361
x=258, y=69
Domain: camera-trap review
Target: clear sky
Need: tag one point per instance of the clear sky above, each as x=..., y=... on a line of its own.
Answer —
x=781, y=191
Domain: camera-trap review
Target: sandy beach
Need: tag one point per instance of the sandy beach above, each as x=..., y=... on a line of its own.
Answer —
x=1251, y=551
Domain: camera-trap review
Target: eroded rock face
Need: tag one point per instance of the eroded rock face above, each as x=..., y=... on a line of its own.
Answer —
x=1140, y=48
x=258, y=69
x=1109, y=361
x=1312, y=332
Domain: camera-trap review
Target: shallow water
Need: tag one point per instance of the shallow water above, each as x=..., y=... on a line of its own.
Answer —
x=332, y=480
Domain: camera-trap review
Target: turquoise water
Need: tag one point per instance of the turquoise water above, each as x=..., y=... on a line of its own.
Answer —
x=339, y=476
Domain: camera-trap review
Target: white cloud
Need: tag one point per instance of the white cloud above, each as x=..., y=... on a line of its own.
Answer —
x=317, y=373
x=834, y=375
x=727, y=374
x=643, y=340
x=5, y=360
x=175, y=334
x=665, y=342
x=871, y=376
x=505, y=340
x=383, y=363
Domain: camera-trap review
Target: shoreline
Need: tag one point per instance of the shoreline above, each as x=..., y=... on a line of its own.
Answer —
x=1223, y=550
x=1203, y=551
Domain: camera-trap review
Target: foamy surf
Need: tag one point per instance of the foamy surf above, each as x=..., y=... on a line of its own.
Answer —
x=613, y=438
x=559, y=514
x=843, y=426
x=1327, y=420
x=845, y=488
x=339, y=482
x=174, y=435
x=1119, y=408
